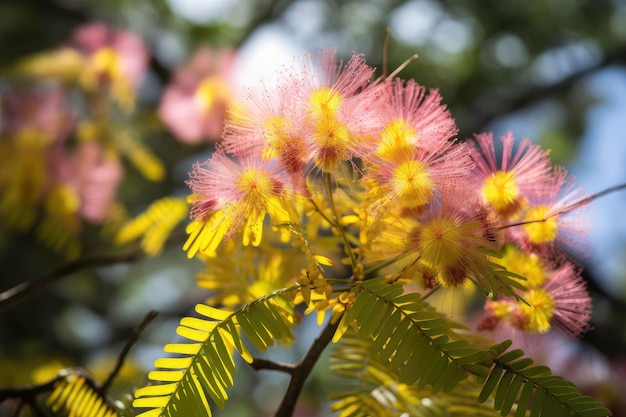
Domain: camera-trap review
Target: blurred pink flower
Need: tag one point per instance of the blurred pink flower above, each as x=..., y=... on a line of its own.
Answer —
x=40, y=110
x=591, y=370
x=194, y=104
x=113, y=53
x=551, y=227
x=98, y=178
x=93, y=176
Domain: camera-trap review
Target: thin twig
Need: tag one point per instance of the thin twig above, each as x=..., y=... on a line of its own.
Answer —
x=271, y=12
x=303, y=369
x=16, y=294
x=570, y=207
x=18, y=409
x=385, y=52
x=403, y=65
x=38, y=409
x=122, y=356
x=531, y=95
x=260, y=364
x=29, y=395
x=335, y=223
x=28, y=392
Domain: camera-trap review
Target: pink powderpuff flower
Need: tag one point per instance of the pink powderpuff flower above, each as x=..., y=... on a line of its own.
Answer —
x=421, y=174
x=411, y=119
x=41, y=110
x=33, y=121
x=506, y=181
x=453, y=238
x=234, y=195
x=193, y=105
x=555, y=221
x=268, y=123
x=98, y=178
x=572, y=303
x=340, y=108
x=116, y=58
x=117, y=51
x=601, y=376
x=562, y=303
x=93, y=175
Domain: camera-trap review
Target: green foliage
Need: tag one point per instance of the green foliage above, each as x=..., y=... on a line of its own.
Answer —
x=418, y=347
x=400, y=351
x=373, y=389
x=413, y=337
x=513, y=380
x=205, y=366
x=75, y=396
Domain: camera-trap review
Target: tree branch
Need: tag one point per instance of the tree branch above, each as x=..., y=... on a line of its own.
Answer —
x=29, y=393
x=302, y=370
x=532, y=95
x=131, y=341
x=259, y=364
x=16, y=294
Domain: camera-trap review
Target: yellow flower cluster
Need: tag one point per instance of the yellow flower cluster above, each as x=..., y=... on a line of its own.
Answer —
x=367, y=179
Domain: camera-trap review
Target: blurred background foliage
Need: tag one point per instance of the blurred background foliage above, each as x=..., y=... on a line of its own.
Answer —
x=554, y=71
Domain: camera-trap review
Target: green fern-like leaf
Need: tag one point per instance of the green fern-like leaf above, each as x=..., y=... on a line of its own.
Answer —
x=515, y=384
x=74, y=395
x=498, y=280
x=374, y=390
x=154, y=225
x=141, y=156
x=205, y=366
x=409, y=335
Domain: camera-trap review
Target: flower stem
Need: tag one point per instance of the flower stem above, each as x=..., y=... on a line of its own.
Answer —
x=346, y=242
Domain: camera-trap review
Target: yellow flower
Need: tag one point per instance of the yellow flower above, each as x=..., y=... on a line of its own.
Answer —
x=500, y=189
x=539, y=227
x=538, y=312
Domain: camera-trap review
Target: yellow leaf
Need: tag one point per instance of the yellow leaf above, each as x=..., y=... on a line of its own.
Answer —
x=341, y=329
x=155, y=390
x=192, y=334
x=151, y=402
x=323, y=260
x=173, y=363
x=349, y=219
x=212, y=312
x=168, y=376
x=152, y=413
x=183, y=348
x=199, y=324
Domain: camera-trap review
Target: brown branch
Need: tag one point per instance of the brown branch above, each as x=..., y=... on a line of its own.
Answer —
x=18, y=409
x=122, y=356
x=21, y=291
x=575, y=205
x=259, y=364
x=535, y=94
x=302, y=370
x=29, y=392
x=270, y=13
x=29, y=395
